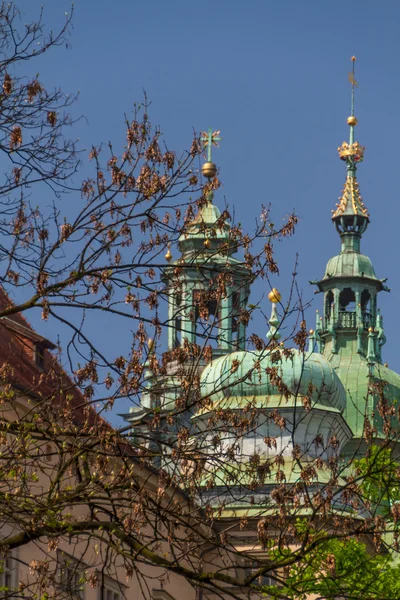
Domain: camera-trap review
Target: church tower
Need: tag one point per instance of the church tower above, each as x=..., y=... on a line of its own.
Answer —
x=207, y=290
x=351, y=333
x=207, y=287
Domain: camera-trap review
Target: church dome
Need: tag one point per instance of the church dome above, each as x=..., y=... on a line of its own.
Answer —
x=350, y=264
x=357, y=376
x=243, y=375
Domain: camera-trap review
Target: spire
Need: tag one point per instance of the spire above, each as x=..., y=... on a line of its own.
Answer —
x=351, y=215
x=148, y=373
x=206, y=246
x=314, y=339
x=371, y=355
x=350, y=324
x=352, y=121
x=210, y=138
x=205, y=234
x=273, y=334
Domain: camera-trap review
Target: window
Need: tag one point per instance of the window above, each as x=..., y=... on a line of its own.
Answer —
x=365, y=301
x=235, y=310
x=8, y=574
x=329, y=298
x=161, y=595
x=178, y=332
x=72, y=577
x=206, y=316
x=250, y=570
x=109, y=594
x=347, y=300
x=39, y=355
x=111, y=589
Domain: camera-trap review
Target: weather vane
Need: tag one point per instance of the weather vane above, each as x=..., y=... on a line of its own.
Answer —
x=210, y=139
x=352, y=80
x=352, y=152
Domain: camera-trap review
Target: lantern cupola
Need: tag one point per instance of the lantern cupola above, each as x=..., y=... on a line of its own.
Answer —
x=207, y=287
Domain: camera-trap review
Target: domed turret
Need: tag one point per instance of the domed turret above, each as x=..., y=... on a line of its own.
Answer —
x=206, y=256
x=352, y=334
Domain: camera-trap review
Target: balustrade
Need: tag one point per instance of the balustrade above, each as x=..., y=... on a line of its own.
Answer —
x=348, y=320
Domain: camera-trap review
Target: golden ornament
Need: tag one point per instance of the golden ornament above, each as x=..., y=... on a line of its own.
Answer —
x=274, y=296
x=168, y=255
x=352, y=120
x=209, y=170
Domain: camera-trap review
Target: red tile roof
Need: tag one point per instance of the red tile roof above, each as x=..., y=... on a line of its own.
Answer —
x=18, y=341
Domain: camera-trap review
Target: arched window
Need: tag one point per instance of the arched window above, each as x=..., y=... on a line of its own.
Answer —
x=366, y=309
x=328, y=304
x=206, y=318
x=365, y=301
x=347, y=308
x=177, y=324
x=347, y=300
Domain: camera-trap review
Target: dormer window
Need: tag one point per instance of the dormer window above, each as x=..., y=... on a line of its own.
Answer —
x=39, y=355
x=33, y=344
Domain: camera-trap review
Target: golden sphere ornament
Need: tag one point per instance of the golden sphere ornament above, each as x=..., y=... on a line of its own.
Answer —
x=274, y=296
x=352, y=120
x=209, y=170
x=168, y=255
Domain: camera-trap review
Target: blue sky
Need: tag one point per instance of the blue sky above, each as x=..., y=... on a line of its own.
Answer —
x=272, y=76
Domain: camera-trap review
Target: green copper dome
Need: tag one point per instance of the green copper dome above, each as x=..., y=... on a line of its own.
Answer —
x=243, y=375
x=350, y=264
x=357, y=375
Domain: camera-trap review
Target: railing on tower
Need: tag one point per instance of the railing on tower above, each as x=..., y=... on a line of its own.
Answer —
x=348, y=320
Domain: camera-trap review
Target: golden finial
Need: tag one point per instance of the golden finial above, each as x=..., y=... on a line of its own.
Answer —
x=274, y=296
x=168, y=255
x=209, y=170
x=353, y=58
x=311, y=331
x=370, y=330
x=352, y=120
x=207, y=243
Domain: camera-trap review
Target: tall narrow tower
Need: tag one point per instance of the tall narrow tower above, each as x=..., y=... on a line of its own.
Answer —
x=207, y=287
x=351, y=330
x=207, y=291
